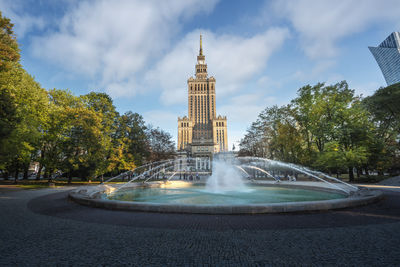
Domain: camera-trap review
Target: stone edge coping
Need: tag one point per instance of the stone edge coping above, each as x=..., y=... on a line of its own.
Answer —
x=318, y=186
x=350, y=201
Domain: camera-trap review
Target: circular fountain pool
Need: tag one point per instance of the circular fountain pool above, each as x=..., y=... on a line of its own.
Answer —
x=275, y=187
x=185, y=197
x=197, y=194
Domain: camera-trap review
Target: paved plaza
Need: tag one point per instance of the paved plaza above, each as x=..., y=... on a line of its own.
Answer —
x=43, y=228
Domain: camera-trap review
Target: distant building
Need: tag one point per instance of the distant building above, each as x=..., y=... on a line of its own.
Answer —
x=387, y=55
x=202, y=132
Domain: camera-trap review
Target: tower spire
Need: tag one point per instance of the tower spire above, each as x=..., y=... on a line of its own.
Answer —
x=201, y=47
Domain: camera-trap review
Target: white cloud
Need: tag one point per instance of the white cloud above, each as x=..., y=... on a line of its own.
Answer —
x=314, y=72
x=232, y=59
x=166, y=120
x=23, y=23
x=242, y=110
x=115, y=41
x=162, y=118
x=322, y=23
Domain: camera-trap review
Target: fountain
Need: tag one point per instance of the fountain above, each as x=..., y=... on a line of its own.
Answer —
x=235, y=185
x=225, y=178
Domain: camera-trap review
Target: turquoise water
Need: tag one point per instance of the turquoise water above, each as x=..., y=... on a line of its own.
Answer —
x=196, y=194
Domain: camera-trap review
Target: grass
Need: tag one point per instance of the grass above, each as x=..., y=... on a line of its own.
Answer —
x=367, y=179
x=32, y=186
x=44, y=183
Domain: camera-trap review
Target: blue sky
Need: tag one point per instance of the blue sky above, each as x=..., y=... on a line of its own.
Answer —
x=143, y=52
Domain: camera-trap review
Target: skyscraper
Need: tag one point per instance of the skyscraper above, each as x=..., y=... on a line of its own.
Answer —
x=387, y=55
x=202, y=132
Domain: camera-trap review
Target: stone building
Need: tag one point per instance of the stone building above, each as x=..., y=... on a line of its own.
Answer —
x=202, y=132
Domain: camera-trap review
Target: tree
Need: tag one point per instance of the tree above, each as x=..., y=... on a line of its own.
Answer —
x=9, y=59
x=132, y=132
x=83, y=136
x=384, y=107
x=102, y=105
x=161, y=144
x=55, y=131
x=30, y=100
x=9, y=51
x=325, y=127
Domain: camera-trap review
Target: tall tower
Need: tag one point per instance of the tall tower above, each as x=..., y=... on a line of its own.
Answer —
x=202, y=132
x=387, y=55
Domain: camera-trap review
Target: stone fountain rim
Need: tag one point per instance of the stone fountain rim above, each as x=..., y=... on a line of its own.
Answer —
x=96, y=201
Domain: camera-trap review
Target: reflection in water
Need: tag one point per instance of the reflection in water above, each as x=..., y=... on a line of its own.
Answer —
x=199, y=194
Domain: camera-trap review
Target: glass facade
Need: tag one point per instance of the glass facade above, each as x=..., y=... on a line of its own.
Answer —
x=387, y=55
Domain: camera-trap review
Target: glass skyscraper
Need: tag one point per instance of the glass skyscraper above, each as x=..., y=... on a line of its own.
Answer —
x=387, y=55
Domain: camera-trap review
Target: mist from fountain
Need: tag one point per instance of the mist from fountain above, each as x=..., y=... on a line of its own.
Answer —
x=225, y=178
x=230, y=173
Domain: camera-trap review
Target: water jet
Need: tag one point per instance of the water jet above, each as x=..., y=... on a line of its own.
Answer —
x=236, y=185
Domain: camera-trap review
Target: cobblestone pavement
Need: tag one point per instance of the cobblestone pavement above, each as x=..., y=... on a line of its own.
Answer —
x=42, y=228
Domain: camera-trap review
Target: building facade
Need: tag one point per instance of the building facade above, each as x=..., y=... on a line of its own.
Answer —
x=202, y=132
x=387, y=55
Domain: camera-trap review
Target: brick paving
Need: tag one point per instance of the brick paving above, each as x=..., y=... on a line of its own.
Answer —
x=43, y=228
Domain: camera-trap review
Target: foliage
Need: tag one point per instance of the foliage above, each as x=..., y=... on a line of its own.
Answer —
x=331, y=129
x=161, y=145
x=9, y=51
x=385, y=109
x=78, y=136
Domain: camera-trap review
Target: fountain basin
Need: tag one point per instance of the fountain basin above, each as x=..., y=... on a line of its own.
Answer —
x=187, y=197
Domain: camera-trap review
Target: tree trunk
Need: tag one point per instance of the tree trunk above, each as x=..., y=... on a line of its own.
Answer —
x=5, y=175
x=69, y=177
x=351, y=174
x=39, y=171
x=40, y=165
x=49, y=174
x=16, y=172
x=26, y=170
x=358, y=173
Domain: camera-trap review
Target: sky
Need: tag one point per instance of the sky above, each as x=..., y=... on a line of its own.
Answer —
x=141, y=53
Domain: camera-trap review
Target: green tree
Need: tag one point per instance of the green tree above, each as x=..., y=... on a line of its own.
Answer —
x=102, y=105
x=161, y=144
x=83, y=147
x=132, y=139
x=9, y=51
x=30, y=101
x=9, y=59
x=384, y=107
x=324, y=127
x=55, y=132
